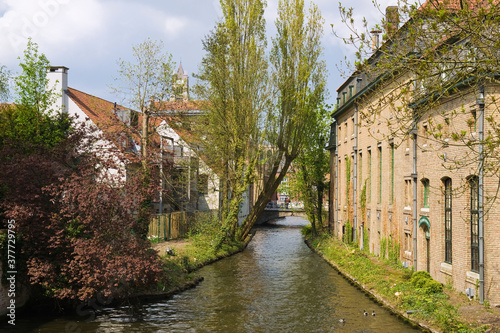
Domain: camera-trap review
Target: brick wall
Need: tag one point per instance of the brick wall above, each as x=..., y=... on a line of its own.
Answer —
x=389, y=208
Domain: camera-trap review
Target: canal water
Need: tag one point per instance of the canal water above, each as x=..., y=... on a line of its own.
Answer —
x=276, y=285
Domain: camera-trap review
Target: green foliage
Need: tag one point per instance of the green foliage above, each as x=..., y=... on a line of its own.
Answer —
x=31, y=86
x=154, y=239
x=395, y=284
x=366, y=240
x=390, y=249
x=362, y=199
x=205, y=231
x=148, y=77
x=393, y=251
x=234, y=85
x=424, y=281
x=308, y=177
x=348, y=179
x=306, y=230
x=4, y=83
x=347, y=237
x=32, y=120
x=383, y=247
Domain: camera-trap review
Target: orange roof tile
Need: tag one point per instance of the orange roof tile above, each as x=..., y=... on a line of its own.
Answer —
x=102, y=114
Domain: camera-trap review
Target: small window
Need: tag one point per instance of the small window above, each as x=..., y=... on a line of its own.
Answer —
x=425, y=186
x=392, y=173
x=369, y=176
x=447, y=221
x=380, y=175
x=408, y=193
x=474, y=223
x=351, y=90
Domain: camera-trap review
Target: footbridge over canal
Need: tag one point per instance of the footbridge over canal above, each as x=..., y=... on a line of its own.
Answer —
x=274, y=213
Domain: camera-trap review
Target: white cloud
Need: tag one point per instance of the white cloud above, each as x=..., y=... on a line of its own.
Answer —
x=174, y=26
x=50, y=23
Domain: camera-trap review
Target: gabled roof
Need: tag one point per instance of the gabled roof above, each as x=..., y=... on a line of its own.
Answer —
x=103, y=114
x=452, y=6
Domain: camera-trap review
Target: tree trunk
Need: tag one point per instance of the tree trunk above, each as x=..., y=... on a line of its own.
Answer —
x=265, y=196
x=319, y=204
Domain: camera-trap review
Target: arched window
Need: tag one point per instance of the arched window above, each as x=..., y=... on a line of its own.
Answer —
x=474, y=223
x=447, y=220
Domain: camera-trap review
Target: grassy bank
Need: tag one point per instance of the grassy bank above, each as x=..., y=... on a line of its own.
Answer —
x=427, y=302
x=181, y=258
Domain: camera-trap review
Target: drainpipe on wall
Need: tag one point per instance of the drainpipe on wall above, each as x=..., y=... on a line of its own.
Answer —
x=414, y=179
x=161, y=175
x=355, y=185
x=335, y=226
x=480, y=103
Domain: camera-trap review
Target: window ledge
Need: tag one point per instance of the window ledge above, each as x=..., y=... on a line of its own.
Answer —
x=425, y=210
x=407, y=255
x=446, y=268
x=472, y=277
x=407, y=208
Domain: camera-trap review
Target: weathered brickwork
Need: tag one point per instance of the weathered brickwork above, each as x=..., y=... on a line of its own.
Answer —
x=384, y=164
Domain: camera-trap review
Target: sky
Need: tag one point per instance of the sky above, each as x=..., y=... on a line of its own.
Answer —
x=90, y=36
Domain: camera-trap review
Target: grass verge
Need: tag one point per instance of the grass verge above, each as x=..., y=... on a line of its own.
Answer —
x=395, y=287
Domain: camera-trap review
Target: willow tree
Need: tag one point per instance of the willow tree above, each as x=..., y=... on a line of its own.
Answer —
x=234, y=83
x=298, y=79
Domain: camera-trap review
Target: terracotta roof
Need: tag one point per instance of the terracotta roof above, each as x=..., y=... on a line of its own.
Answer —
x=459, y=4
x=179, y=106
x=100, y=111
x=103, y=114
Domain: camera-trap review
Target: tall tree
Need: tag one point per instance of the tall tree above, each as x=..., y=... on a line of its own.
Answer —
x=35, y=119
x=309, y=173
x=234, y=86
x=298, y=76
x=146, y=80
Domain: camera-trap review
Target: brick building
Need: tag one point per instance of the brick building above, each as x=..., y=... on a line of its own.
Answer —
x=422, y=194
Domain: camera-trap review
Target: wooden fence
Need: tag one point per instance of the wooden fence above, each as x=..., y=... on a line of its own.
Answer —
x=169, y=226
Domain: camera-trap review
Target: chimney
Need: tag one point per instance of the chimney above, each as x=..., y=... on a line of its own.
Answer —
x=58, y=79
x=392, y=20
x=375, y=39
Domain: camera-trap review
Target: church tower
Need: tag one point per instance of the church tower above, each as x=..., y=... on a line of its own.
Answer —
x=180, y=86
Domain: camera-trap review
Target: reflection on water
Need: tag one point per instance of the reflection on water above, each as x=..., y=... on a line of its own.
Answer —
x=276, y=285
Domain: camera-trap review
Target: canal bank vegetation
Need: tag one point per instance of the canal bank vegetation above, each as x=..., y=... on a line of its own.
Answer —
x=413, y=295
x=182, y=257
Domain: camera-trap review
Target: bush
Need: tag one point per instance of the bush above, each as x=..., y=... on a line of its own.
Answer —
x=424, y=281
x=306, y=230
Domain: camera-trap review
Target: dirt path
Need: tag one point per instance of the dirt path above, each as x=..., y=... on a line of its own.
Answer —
x=177, y=244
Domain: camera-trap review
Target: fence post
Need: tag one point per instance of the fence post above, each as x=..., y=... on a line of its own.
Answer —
x=164, y=226
x=158, y=217
x=169, y=226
